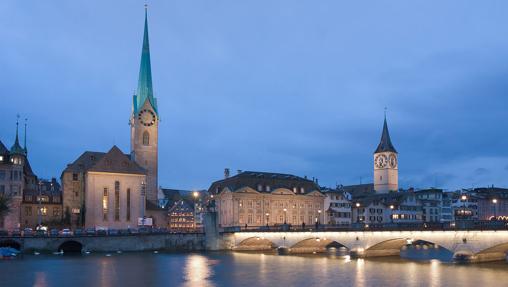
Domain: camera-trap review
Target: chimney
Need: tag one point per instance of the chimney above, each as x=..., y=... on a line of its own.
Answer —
x=226, y=173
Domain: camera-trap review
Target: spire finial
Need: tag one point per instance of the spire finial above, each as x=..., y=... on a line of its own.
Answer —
x=26, y=120
x=385, y=112
x=17, y=124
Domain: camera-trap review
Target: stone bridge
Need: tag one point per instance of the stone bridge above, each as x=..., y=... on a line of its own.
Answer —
x=141, y=242
x=471, y=246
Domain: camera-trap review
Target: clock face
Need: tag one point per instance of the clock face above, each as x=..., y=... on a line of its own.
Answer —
x=393, y=161
x=381, y=161
x=147, y=118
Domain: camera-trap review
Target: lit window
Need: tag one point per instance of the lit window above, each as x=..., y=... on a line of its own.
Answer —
x=105, y=204
x=1, y=158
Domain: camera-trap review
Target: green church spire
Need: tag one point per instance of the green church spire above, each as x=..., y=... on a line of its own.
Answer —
x=16, y=148
x=145, y=91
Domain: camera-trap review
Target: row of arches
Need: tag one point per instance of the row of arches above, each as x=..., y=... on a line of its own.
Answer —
x=69, y=246
x=390, y=247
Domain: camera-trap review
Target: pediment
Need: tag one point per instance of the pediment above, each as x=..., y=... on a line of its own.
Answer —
x=283, y=191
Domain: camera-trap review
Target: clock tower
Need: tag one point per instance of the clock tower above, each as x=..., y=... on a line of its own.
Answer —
x=386, y=170
x=144, y=122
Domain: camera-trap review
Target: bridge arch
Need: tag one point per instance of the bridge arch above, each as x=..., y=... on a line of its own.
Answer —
x=70, y=246
x=11, y=243
x=316, y=244
x=256, y=243
x=494, y=253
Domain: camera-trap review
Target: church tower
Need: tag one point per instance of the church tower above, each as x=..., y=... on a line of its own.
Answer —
x=144, y=122
x=386, y=170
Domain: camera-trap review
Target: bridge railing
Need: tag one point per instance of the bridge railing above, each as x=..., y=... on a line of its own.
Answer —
x=469, y=225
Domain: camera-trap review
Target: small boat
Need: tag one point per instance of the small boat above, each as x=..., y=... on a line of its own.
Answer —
x=156, y=252
x=36, y=253
x=108, y=255
x=8, y=252
x=119, y=252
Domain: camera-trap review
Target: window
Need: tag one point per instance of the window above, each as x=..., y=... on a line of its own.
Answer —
x=1, y=158
x=28, y=198
x=128, y=204
x=75, y=176
x=43, y=211
x=2, y=174
x=75, y=211
x=56, y=211
x=28, y=210
x=105, y=204
x=146, y=138
x=56, y=199
x=2, y=188
x=117, y=200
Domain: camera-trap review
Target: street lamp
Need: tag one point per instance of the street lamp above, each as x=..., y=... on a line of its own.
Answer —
x=391, y=215
x=494, y=201
x=319, y=216
x=357, y=212
x=285, y=210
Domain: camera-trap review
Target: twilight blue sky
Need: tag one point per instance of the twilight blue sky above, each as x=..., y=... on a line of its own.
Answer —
x=285, y=86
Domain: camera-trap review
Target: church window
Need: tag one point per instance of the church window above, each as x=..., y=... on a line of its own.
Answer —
x=74, y=176
x=117, y=200
x=128, y=204
x=146, y=138
x=105, y=204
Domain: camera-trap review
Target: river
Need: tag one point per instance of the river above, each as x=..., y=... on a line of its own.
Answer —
x=241, y=269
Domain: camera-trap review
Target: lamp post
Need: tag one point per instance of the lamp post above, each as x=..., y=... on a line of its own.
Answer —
x=285, y=210
x=143, y=203
x=494, y=201
x=357, y=212
x=267, y=214
x=195, y=196
x=319, y=216
x=391, y=215
x=39, y=214
x=463, y=198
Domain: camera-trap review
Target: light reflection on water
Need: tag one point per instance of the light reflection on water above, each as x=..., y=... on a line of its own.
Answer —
x=241, y=269
x=197, y=271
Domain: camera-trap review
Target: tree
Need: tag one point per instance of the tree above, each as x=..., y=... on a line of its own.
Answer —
x=5, y=201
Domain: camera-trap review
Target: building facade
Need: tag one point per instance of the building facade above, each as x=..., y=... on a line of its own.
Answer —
x=431, y=201
x=43, y=205
x=16, y=176
x=262, y=198
x=386, y=168
x=104, y=190
x=182, y=216
x=337, y=206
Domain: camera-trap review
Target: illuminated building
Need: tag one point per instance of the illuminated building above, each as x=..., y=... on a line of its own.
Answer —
x=262, y=198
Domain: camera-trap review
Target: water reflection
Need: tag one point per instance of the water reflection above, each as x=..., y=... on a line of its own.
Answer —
x=242, y=269
x=40, y=279
x=197, y=271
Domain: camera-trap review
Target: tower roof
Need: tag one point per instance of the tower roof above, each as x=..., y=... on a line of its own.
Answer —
x=16, y=148
x=145, y=90
x=385, y=145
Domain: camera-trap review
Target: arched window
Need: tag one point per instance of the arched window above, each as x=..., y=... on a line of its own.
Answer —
x=146, y=138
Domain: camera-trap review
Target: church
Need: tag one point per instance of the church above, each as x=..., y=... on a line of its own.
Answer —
x=113, y=189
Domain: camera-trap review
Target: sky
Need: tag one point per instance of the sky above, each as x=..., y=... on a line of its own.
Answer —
x=294, y=87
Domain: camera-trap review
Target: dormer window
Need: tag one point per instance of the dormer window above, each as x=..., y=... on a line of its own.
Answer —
x=267, y=188
x=302, y=190
x=260, y=187
x=1, y=158
x=295, y=190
